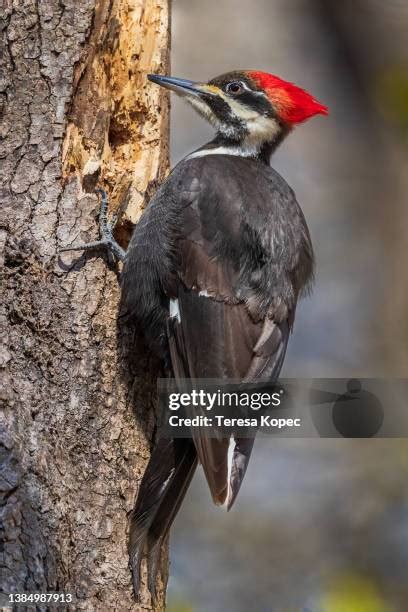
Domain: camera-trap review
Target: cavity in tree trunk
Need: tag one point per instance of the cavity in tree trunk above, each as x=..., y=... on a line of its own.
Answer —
x=77, y=417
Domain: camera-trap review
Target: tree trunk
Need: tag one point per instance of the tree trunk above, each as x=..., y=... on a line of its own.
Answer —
x=78, y=393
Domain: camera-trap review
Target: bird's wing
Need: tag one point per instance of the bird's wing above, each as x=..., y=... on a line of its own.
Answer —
x=215, y=339
x=229, y=316
x=213, y=332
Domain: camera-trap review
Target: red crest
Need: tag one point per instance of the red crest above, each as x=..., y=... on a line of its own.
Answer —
x=292, y=103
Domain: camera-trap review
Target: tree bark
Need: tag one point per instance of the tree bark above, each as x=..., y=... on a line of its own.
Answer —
x=78, y=393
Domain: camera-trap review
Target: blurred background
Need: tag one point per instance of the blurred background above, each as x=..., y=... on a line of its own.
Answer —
x=320, y=525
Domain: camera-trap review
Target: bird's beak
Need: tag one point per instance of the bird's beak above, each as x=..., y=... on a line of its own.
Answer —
x=181, y=86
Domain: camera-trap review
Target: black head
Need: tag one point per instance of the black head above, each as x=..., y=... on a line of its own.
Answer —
x=248, y=107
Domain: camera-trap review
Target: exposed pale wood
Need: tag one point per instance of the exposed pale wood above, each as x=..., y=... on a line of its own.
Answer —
x=77, y=415
x=118, y=124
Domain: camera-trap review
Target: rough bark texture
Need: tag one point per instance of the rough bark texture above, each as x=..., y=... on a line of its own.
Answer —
x=77, y=421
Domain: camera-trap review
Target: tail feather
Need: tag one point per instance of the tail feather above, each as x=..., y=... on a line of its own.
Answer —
x=153, y=562
x=167, y=512
x=162, y=490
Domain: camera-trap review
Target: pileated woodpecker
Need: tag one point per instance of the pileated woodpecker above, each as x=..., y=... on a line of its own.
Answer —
x=213, y=273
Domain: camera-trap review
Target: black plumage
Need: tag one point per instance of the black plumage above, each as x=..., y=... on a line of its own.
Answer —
x=212, y=277
x=225, y=237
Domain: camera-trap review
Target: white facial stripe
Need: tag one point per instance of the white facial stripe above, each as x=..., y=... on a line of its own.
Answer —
x=260, y=128
x=240, y=110
x=203, y=109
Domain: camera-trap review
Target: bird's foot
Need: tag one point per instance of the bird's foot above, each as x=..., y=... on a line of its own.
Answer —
x=106, y=227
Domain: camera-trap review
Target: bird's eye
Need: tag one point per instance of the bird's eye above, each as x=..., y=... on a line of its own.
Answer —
x=236, y=87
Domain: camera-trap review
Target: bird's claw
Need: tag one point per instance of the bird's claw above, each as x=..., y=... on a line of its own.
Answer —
x=106, y=227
